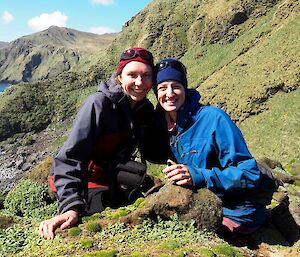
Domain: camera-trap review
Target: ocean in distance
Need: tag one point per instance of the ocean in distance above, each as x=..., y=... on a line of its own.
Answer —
x=3, y=86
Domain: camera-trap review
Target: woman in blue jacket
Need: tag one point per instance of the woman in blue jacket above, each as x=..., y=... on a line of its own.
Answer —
x=207, y=148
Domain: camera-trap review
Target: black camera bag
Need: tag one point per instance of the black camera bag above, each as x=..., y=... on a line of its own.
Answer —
x=129, y=178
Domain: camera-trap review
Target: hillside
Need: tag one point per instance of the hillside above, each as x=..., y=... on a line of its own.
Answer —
x=233, y=52
x=3, y=44
x=48, y=53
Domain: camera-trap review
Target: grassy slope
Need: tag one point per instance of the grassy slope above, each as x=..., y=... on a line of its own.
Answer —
x=275, y=132
x=243, y=76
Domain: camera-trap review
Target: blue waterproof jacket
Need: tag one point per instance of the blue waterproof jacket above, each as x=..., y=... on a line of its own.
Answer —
x=212, y=147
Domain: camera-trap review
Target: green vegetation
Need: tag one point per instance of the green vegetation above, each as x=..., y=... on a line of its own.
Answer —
x=280, y=144
x=14, y=239
x=93, y=227
x=225, y=250
x=102, y=253
x=86, y=243
x=58, y=143
x=41, y=171
x=30, y=200
x=74, y=231
x=120, y=212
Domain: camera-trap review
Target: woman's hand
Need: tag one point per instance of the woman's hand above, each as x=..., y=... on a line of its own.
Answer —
x=178, y=173
x=47, y=228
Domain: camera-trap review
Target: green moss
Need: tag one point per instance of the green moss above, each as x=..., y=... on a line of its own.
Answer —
x=74, y=231
x=273, y=204
x=297, y=183
x=170, y=245
x=120, y=213
x=87, y=243
x=226, y=251
x=205, y=252
x=102, y=253
x=57, y=143
x=155, y=170
x=117, y=213
x=180, y=253
x=136, y=254
x=92, y=217
x=93, y=227
x=139, y=203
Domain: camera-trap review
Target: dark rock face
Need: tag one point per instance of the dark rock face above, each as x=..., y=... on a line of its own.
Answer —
x=202, y=206
x=238, y=18
x=285, y=217
x=35, y=61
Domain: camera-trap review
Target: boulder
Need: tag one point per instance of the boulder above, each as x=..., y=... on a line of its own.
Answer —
x=202, y=206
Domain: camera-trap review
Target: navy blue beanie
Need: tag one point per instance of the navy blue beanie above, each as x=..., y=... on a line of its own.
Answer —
x=170, y=69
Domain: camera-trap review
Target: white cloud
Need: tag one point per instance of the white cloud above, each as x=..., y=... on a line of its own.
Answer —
x=45, y=20
x=7, y=17
x=103, y=2
x=101, y=30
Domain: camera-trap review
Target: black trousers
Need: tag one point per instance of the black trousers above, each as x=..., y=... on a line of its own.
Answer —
x=100, y=198
x=97, y=200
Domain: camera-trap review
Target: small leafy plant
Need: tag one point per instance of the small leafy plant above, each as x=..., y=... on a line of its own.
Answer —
x=28, y=198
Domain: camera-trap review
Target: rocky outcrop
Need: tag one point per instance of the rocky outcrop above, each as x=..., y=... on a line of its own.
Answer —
x=202, y=206
x=286, y=218
x=27, y=155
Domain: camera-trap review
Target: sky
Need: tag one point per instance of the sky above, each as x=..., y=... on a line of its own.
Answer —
x=23, y=17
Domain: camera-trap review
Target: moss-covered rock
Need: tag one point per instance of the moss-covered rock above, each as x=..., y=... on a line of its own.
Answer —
x=202, y=206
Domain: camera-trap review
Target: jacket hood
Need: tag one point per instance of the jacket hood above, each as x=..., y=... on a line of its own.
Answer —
x=112, y=90
x=191, y=103
x=192, y=96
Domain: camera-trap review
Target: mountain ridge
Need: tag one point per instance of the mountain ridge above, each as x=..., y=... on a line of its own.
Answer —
x=3, y=44
x=48, y=53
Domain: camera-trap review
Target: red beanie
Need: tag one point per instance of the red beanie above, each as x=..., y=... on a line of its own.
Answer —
x=137, y=54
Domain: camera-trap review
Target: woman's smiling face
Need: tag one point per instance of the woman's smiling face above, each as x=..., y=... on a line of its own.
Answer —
x=171, y=95
x=136, y=80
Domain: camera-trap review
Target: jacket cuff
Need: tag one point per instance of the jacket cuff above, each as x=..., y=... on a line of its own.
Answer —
x=197, y=177
x=71, y=204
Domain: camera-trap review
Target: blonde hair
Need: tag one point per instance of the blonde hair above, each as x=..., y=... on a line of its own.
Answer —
x=118, y=82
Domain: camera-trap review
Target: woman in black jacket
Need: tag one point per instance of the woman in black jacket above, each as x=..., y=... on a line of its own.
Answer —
x=109, y=122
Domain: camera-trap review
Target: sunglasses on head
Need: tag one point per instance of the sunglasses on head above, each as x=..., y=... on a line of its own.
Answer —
x=174, y=64
x=132, y=53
